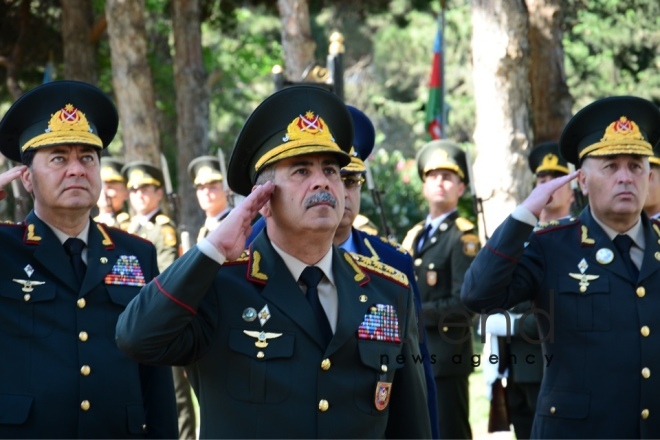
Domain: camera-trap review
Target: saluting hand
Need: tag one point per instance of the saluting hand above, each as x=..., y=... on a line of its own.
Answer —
x=230, y=236
x=542, y=194
x=8, y=176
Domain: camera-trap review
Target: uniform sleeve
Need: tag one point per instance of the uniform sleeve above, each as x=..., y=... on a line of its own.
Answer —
x=505, y=272
x=409, y=412
x=173, y=319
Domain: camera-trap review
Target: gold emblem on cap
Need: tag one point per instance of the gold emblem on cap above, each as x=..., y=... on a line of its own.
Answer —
x=70, y=120
x=604, y=256
x=621, y=136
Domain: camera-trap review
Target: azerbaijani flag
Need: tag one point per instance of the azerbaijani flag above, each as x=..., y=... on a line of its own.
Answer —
x=435, y=104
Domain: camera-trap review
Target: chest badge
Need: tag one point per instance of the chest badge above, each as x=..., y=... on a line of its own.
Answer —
x=582, y=277
x=382, y=395
x=604, y=256
x=262, y=337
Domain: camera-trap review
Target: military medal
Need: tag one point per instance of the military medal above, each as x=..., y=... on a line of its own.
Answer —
x=604, y=256
x=582, y=277
x=264, y=315
x=249, y=314
x=382, y=395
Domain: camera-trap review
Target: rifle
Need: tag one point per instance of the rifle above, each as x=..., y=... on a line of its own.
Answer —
x=579, y=200
x=477, y=202
x=172, y=198
x=225, y=185
x=378, y=203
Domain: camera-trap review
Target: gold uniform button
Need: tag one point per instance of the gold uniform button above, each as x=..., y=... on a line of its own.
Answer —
x=81, y=303
x=85, y=370
x=553, y=410
x=85, y=405
x=646, y=373
x=326, y=364
x=645, y=414
x=645, y=331
x=83, y=336
x=26, y=297
x=431, y=266
x=323, y=405
x=144, y=427
x=641, y=292
x=418, y=261
x=445, y=329
x=383, y=368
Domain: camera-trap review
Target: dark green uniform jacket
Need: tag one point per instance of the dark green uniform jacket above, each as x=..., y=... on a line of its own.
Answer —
x=207, y=316
x=440, y=266
x=61, y=373
x=602, y=341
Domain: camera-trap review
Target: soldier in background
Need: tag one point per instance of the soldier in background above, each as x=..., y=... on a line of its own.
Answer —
x=145, y=184
x=443, y=246
x=112, y=202
x=652, y=204
x=207, y=178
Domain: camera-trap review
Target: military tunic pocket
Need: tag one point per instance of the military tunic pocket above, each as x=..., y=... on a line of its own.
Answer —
x=15, y=408
x=585, y=308
x=381, y=360
x=27, y=311
x=262, y=363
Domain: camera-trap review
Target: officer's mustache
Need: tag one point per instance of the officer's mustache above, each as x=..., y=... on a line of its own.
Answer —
x=321, y=197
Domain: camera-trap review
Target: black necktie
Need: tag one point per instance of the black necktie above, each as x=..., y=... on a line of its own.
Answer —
x=74, y=247
x=425, y=236
x=311, y=277
x=623, y=243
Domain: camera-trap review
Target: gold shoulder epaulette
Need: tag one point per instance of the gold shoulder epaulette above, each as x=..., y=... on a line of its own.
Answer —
x=410, y=236
x=8, y=222
x=464, y=224
x=162, y=219
x=123, y=217
x=540, y=226
x=395, y=244
x=378, y=267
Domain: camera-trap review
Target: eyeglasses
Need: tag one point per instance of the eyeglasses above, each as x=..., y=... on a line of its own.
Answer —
x=351, y=182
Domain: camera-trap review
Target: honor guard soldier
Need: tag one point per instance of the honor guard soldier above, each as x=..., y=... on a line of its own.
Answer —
x=522, y=359
x=292, y=337
x=145, y=186
x=443, y=246
x=652, y=204
x=591, y=279
x=111, y=203
x=64, y=280
x=207, y=178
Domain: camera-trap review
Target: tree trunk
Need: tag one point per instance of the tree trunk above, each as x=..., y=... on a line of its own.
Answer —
x=297, y=42
x=500, y=55
x=131, y=78
x=192, y=104
x=79, y=49
x=551, y=100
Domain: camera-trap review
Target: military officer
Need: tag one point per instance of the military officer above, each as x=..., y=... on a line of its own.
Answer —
x=591, y=279
x=207, y=178
x=293, y=337
x=443, y=246
x=111, y=203
x=145, y=185
x=350, y=237
x=522, y=355
x=64, y=280
x=652, y=204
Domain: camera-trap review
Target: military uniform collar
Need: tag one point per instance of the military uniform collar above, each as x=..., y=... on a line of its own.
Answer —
x=296, y=266
x=636, y=232
x=435, y=223
x=63, y=236
x=144, y=219
x=349, y=244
